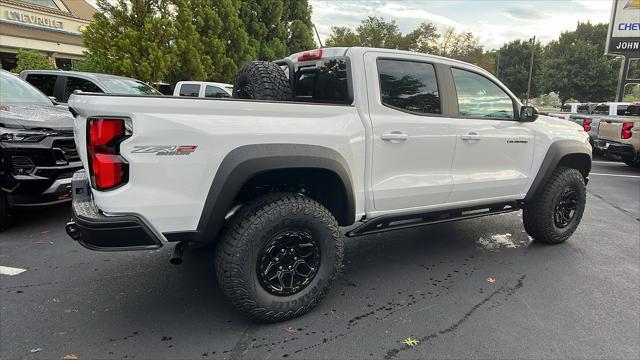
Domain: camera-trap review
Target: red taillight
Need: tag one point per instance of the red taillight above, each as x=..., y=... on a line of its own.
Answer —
x=107, y=168
x=311, y=55
x=626, y=130
x=586, y=124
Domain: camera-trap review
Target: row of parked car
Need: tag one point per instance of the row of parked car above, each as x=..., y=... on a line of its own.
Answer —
x=611, y=127
x=38, y=155
x=59, y=85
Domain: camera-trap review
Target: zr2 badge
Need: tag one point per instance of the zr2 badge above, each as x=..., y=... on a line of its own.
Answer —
x=164, y=149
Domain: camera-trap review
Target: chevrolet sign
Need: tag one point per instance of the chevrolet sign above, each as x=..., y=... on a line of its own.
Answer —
x=624, y=28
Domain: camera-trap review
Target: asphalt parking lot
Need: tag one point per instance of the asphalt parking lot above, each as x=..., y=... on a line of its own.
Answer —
x=470, y=289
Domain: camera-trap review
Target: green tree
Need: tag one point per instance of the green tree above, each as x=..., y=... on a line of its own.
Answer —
x=188, y=58
x=376, y=32
x=32, y=60
x=131, y=38
x=300, y=29
x=423, y=39
x=515, y=59
x=342, y=36
x=267, y=32
x=458, y=45
x=575, y=65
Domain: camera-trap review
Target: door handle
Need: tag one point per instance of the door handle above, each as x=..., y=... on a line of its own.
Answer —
x=471, y=136
x=394, y=135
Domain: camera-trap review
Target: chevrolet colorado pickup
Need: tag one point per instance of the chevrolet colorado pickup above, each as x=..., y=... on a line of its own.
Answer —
x=371, y=139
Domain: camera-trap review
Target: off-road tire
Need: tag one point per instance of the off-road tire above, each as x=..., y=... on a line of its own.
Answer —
x=262, y=80
x=246, y=235
x=538, y=215
x=5, y=214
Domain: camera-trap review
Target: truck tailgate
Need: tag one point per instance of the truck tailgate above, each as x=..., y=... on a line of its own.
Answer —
x=611, y=127
x=610, y=130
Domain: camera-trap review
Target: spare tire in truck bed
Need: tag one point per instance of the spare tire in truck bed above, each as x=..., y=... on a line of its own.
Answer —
x=262, y=80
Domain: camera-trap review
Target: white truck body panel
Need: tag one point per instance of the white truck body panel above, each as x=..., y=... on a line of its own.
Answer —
x=170, y=191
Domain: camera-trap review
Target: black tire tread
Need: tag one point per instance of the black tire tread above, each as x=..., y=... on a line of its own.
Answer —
x=266, y=80
x=229, y=252
x=537, y=213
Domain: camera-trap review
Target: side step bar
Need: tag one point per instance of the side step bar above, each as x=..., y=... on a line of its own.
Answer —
x=394, y=222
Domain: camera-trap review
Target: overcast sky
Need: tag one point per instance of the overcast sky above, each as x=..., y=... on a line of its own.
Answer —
x=494, y=22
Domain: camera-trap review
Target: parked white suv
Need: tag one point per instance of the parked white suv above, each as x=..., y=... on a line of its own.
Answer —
x=379, y=139
x=202, y=89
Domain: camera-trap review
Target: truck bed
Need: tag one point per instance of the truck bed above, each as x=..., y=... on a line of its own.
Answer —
x=215, y=127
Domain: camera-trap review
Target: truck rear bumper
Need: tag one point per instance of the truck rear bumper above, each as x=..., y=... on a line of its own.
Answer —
x=624, y=150
x=97, y=231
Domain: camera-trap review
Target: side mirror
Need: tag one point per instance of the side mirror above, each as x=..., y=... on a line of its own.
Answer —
x=53, y=100
x=528, y=114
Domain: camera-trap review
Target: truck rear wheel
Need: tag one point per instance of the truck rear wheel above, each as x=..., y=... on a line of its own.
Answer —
x=262, y=80
x=553, y=216
x=278, y=256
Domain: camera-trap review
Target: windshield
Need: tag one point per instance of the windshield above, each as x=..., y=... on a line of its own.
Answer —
x=128, y=86
x=14, y=90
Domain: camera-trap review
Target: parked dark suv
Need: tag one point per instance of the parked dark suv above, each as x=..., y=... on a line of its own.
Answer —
x=38, y=155
x=61, y=84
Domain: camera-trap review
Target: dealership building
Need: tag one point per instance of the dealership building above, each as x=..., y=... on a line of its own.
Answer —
x=51, y=27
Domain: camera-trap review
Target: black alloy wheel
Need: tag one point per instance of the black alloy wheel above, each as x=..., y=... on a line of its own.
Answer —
x=565, y=208
x=288, y=262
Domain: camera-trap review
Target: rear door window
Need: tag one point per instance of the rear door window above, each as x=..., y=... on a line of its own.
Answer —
x=215, y=92
x=409, y=86
x=192, y=90
x=45, y=83
x=74, y=83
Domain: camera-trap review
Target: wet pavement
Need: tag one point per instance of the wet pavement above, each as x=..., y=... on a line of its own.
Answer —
x=471, y=289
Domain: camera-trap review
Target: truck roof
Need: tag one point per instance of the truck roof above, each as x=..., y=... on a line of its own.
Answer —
x=355, y=51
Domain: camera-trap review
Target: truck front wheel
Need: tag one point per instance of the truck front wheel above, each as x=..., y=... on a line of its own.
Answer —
x=553, y=216
x=278, y=256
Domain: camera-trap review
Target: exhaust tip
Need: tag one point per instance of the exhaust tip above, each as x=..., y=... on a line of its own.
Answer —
x=72, y=230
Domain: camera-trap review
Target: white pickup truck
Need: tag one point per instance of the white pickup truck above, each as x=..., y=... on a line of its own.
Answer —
x=371, y=139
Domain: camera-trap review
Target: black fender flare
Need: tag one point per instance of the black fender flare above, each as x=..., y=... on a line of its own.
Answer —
x=558, y=152
x=245, y=162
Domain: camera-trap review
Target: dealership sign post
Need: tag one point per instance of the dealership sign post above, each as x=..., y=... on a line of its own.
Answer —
x=623, y=38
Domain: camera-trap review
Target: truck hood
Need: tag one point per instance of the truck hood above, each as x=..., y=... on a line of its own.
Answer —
x=557, y=124
x=32, y=116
